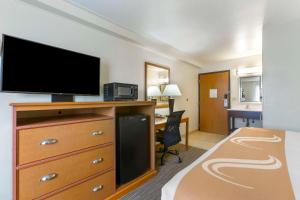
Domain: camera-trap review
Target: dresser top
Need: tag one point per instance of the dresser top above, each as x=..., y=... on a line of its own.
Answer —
x=71, y=105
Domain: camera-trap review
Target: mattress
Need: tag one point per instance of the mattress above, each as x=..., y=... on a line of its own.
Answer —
x=251, y=163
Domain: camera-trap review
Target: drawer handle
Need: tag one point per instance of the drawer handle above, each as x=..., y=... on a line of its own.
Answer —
x=49, y=141
x=96, y=133
x=97, y=161
x=97, y=188
x=48, y=177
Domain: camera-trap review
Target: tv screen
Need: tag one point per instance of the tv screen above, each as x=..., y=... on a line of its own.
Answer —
x=37, y=68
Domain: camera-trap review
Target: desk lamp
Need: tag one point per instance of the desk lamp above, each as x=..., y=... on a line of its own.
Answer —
x=171, y=91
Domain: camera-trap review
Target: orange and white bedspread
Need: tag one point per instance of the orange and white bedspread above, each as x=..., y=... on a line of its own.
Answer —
x=250, y=164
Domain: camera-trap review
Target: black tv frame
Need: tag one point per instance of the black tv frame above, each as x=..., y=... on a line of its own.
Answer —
x=55, y=97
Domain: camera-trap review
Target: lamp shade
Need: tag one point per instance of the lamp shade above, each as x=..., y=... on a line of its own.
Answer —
x=172, y=90
x=153, y=91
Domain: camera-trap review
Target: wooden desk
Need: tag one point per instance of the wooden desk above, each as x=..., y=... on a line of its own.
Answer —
x=161, y=123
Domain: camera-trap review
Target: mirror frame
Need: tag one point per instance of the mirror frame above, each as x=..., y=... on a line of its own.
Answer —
x=260, y=89
x=146, y=74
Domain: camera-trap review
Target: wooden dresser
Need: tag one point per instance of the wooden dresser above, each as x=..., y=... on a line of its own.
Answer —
x=65, y=151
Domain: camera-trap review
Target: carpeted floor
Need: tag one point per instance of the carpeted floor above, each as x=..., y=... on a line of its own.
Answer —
x=152, y=189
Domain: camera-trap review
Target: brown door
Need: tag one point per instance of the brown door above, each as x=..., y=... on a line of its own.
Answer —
x=213, y=88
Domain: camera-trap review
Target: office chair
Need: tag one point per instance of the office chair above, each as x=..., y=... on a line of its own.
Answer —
x=170, y=136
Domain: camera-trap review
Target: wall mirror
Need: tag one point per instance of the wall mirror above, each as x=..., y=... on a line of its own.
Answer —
x=251, y=89
x=156, y=79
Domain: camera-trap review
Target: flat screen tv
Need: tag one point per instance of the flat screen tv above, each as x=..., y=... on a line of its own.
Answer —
x=30, y=67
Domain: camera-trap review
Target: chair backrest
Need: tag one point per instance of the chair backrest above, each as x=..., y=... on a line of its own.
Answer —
x=172, y=133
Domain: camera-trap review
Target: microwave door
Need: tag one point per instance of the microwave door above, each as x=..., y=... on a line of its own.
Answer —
x=124, y=92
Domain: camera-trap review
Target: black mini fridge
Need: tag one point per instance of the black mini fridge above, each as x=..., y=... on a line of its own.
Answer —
x=133, y=147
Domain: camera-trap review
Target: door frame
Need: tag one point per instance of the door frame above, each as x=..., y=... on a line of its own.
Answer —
x=229, y=87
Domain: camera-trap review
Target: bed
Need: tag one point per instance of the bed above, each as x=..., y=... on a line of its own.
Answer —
x=251, y=163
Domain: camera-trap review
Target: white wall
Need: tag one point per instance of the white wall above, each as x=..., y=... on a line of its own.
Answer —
x=281, y=70
x=121, y=61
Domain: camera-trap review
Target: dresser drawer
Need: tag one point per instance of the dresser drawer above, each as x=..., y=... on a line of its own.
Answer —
x=41, y=179
x=39, y=143
x=98, y=188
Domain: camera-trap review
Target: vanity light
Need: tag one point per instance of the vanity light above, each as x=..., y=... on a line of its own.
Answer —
x=249, y=71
